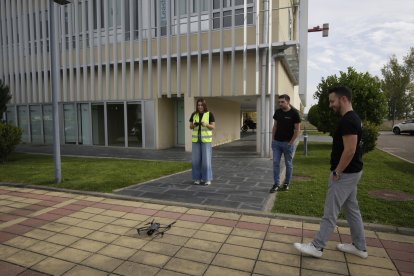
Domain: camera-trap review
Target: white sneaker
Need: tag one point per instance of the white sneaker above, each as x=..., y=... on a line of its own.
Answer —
x=207, y=183
x=197, y=182
x=308, y=249
x=351, y=249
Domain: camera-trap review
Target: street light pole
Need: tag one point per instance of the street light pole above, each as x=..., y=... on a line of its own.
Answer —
x=55, y=106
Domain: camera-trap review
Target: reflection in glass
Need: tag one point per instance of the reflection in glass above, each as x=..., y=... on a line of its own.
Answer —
x=134, y=116
x=23, y=123
x=48, y=124
x=116, y=134
x=36, y=124
x=10, y=116
x=98, y=124
x=69, y=123
x=84, y=124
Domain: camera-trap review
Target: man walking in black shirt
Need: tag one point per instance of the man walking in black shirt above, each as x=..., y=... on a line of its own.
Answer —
x=285, y=130
x=346, y=171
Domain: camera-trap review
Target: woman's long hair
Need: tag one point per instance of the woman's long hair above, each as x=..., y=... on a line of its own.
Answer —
x=203, y=102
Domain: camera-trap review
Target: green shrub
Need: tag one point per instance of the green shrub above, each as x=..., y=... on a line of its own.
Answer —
x=370, y=133
x=10, y=137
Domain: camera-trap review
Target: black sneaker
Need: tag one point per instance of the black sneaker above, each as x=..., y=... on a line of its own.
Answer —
x=286, y=187
x=274, y=189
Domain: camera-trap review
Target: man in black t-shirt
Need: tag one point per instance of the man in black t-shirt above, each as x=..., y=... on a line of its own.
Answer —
x=285, y=131
x=346, y=171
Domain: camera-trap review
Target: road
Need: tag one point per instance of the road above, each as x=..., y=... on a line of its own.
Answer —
x=399, y=145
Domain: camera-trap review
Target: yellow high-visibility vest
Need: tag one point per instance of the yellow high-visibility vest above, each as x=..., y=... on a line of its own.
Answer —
x=206, y=134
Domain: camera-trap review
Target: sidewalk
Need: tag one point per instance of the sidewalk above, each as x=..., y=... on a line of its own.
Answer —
x=47, y=232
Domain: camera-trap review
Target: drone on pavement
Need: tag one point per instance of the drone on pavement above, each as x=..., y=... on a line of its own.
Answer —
x=154, y=228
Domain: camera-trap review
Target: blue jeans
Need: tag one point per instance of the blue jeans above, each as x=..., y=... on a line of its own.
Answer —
x=280, y=148
x=201, y=161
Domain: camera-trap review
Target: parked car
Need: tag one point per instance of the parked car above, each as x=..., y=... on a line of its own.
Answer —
x=404, y=127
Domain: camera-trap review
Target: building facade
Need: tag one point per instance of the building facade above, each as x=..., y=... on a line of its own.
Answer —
x=129, y=71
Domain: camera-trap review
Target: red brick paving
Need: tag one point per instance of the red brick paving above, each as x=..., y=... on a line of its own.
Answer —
x=62, y=211
x=252, y=226
x=404, y=266
x=85, y=203
x=74, y=207
x=145, y=211
x=49, y=216
x=10, y=269
x=166, y=214
x=222, y=222
x=400, y=255
x=34, y=222
x=400, y=246
x=7, y=217
x=5, y=236
x=285, y=230
x=21, y=212
x=18, y=229
x=194, y=218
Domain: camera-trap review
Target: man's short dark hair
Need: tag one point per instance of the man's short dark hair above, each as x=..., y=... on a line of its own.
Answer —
x=341, y=91
x=285, y=97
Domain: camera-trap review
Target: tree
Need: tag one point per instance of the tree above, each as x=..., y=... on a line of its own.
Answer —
x=367, y=101
x=5, y=97
x=397, y=84
x=10, y=137
x=313, y=115
x=396, y=79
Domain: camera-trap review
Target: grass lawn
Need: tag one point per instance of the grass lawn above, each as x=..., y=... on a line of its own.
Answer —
x=381, y=171
x=87, y=174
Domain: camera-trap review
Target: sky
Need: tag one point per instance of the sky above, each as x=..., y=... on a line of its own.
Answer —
x=363, y=34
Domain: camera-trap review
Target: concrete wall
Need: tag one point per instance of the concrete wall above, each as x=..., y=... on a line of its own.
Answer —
x=165, y=120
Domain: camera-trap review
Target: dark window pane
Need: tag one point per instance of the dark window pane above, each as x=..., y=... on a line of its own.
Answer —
x=239, y=18
x=227, y=19
x=216, y=20
x=216, y=4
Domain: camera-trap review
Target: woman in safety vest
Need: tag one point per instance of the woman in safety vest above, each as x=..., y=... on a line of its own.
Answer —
x=202, y=124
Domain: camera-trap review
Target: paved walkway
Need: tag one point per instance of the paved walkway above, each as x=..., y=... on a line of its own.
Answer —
x=57, y=233
x=241, y=178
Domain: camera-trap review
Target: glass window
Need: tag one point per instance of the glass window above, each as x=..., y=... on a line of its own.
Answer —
x=84, y=124
x=216, y=4
x=216, y=20
x=98, y=124
x=48, y=124
x=134, y=116
x=115, y=117
x=227, y=3
x=10, y=115
x=36, y=124
x=23, y=122
x=239, y=16
x=114, y=11
x=182, y=7
x=226, y=19
x=204, y=5
x=241, y=2
x=69, y=123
